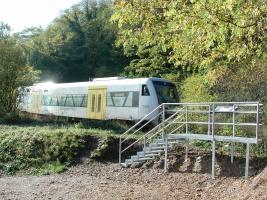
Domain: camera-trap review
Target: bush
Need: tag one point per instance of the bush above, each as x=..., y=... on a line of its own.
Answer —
x=196, y=88
x=33, y=147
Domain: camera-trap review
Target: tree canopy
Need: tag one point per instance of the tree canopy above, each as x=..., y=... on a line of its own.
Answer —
x=14, y=73
x=183, y=37
x=77, y=45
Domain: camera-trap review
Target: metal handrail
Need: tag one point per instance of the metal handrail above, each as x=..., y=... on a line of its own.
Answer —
x=148, y=134
x=157, y=109
x=152, y=130
x=141, y=120
x=142, y=127
x=139, y=139
x=164, y=127
x=210, y=110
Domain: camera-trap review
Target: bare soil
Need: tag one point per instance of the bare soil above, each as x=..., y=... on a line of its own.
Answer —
x=189, y=179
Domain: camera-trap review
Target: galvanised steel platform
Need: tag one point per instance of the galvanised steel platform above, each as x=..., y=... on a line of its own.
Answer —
x=232, y=122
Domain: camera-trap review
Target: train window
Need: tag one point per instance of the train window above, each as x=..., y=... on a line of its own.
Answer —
x=135, y=100
x=46, y=100
x=109, y=100
x=61, y=100
x=53, y=101
x=145, y=91
x=99, y=103
x=123, y=99
x=93, y=103
x=84, y=102
x=128, y=101
x=69, y=101
x=166, y=92
x=119, y=98
x=78, y=100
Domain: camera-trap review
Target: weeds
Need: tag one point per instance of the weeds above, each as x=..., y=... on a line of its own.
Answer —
x=46, y=148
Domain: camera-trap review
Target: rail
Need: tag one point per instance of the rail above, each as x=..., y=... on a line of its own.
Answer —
x=222, y=121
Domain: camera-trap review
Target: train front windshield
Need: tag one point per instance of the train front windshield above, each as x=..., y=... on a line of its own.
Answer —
x=166, y=92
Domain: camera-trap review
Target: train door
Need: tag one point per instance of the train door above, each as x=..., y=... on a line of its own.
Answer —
x=36, y=101
x=96, y=102
x=145, y=101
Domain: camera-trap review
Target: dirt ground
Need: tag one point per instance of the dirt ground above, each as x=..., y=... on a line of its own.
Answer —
x=189, y=179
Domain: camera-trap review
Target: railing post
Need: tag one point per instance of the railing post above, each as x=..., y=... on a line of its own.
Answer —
x=186, y=119
x=213, y=121
x=120, y=152
x=166, y=155
x=232, y=144
x=213, y=143
x=186, y=131
x=213, y=159
x=163, y=120
x=165, y=139
x=209, y=121
x=247, y=161
x=257, y=123
x=144, y=151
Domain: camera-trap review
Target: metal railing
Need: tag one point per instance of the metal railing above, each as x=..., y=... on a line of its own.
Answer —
x=158, y=114
x=153, y=115
x=177, y=118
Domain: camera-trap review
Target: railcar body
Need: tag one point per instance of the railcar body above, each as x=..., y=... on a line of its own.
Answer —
x=104, y=98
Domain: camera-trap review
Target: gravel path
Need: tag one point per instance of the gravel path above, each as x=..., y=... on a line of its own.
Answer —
x=98, y=180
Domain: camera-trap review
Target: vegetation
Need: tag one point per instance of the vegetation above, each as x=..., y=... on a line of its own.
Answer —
x=14, y=72
x=190, y=36
x=214, y=50
x=41, y=148
x=78, y=45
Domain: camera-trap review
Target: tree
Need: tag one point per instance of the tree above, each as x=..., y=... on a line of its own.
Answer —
x=190, y=36
x=79, y=44
x=14, y=73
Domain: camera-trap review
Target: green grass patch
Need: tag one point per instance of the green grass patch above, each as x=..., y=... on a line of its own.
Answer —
x=45, y=148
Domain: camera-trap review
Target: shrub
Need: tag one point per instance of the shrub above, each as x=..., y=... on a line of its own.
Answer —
x=34, y=147
x=196, y=88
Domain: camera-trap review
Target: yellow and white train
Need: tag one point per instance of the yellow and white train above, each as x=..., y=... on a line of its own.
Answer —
x=102, y=98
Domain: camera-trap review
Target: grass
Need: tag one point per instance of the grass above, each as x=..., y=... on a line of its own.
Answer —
x=43, y=148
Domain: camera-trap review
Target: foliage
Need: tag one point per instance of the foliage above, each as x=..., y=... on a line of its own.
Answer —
x=102, y=148
x=245, y=84
x=41, y=148
x=183, y=36
x=196, y=88
x=14, y=73
x=77, y=45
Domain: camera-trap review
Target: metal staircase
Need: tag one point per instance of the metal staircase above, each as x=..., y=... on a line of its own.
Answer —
x=179, y=122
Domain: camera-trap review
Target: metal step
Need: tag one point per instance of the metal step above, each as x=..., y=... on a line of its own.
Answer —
x=124, y=164
x=153, y=148
x=130, y=161
x=142, y=159
x=147, y=154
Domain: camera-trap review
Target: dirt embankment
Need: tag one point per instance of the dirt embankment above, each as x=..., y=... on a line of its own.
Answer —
x=189, y=179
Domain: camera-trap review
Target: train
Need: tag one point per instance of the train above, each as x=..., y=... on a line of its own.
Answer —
x=102, y=98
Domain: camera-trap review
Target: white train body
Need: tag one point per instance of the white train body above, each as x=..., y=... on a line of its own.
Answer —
x=106, y=98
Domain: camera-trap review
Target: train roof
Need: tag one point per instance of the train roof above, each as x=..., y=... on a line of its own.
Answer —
x=96, y=82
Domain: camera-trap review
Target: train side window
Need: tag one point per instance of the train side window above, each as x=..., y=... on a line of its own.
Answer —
x=135, y=102
x=54, y=101
x=99, y=103
x=109, y=100
x=93, y=103
x=62, y=100
x=145, y=91
x=69, y=101
x=84, y=102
